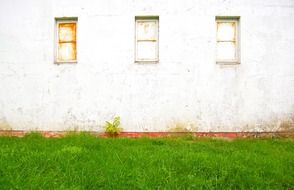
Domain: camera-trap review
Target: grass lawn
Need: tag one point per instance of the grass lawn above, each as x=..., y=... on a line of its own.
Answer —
x=86, y=162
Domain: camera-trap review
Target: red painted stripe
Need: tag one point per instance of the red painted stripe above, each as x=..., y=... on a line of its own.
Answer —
x=19, y=133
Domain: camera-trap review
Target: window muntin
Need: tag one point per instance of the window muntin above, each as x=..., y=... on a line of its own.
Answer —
x=146, y=39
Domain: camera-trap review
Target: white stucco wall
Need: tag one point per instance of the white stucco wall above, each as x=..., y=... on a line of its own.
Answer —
x=186, y=89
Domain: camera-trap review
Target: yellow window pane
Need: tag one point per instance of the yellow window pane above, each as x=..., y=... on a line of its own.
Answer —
x=146, y=50
x=226, y=31
x=226, y=51
x=66, y=52
x=146, y=30
x=67, y=32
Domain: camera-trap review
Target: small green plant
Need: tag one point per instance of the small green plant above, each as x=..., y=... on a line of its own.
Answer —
x=112, y=128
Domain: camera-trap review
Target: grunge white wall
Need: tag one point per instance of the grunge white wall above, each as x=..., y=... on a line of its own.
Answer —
x=186, y=90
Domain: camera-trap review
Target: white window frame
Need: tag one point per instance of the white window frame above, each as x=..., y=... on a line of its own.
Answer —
x=56, y=41
x=142, y=19
x=230, y=19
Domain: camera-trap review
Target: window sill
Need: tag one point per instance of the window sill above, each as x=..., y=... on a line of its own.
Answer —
x=228, y=62
x=65, y=62
x=147, y=62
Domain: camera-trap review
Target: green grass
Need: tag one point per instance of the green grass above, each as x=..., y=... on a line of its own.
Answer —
x=85, y=162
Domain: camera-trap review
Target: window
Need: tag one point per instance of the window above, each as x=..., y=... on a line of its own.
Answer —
x=66, y=40
x=227, y=40
x=146, y=39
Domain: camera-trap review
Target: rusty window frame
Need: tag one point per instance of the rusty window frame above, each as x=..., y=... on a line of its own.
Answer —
x=147, y=19
x=64, y=20
x=236, y=21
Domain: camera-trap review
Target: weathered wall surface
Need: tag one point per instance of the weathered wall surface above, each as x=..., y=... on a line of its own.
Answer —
x=186, y=90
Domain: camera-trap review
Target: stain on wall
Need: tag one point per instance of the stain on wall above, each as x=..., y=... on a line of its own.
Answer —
x=286, y=125
x=4, y=125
